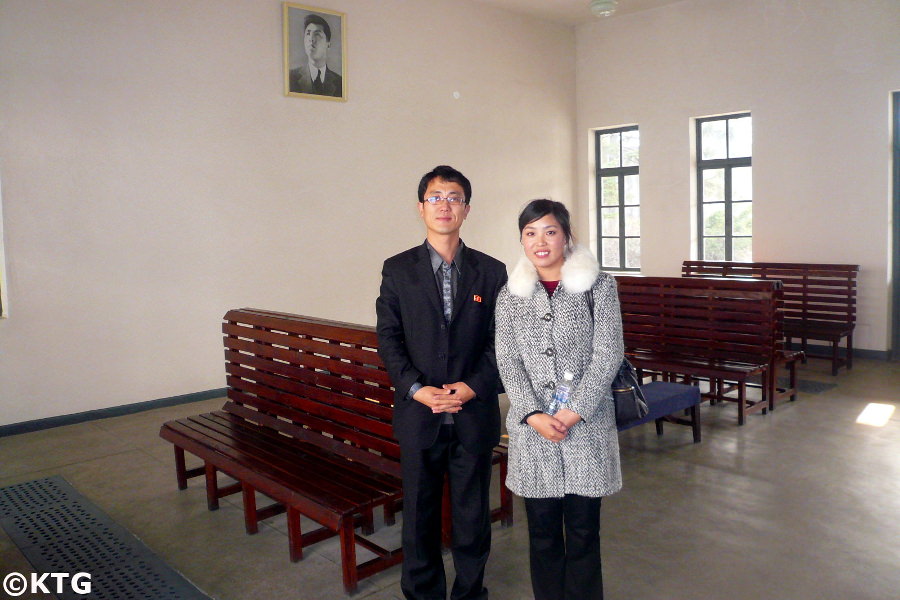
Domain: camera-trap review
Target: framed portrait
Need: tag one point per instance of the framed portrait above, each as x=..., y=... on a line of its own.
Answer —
x=315, y=53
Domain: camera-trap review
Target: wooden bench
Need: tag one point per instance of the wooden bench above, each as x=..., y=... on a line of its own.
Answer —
x=725, y=331
x=308, y=424
x=665, y=401
x=819, y=299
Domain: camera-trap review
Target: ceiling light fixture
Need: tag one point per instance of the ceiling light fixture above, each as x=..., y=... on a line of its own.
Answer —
x=603, y=8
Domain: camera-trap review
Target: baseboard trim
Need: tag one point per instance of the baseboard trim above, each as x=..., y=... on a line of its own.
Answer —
x=825, y=352
x=104, y=413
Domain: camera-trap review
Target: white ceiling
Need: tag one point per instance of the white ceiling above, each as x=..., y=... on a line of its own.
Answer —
x=571, y=12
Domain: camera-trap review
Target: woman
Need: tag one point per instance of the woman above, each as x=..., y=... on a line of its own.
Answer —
x=562, y=464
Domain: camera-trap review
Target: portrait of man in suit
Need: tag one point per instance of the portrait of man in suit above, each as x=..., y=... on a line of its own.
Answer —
x=315, y=71
x=435, y=324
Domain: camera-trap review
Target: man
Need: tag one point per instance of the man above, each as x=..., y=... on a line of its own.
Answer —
x=315, y=77
x=436, y=338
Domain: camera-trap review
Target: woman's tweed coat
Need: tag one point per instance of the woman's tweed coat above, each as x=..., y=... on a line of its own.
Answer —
x=538, y=339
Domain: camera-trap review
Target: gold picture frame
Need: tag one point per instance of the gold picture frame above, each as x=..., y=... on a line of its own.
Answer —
x=315, y=52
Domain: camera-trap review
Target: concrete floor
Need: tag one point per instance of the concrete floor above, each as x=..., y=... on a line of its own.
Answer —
x=802, y=503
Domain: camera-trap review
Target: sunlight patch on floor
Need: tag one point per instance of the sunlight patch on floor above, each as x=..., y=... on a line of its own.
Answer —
x=876, y=415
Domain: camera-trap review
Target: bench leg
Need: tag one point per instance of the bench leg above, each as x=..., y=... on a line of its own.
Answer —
x=695, y=422
x=212, y=487
x=792, y=377
x=506, y=500
x=251, y=524
x=390, y=513
x=348, y=555
x=180, y=470
x=295, y=535
x=849, y=351
x=716, y=387
x=367, y=525
x=659, y=427
x=770, y=383
x=790, y=346
x=742, y=402
x=835, y=359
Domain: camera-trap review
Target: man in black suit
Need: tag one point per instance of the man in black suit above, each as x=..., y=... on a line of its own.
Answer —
x=436, y=338
x=315, y=77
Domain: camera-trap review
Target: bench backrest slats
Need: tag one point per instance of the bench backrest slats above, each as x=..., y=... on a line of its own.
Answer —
x=335, y=430
x=652, y=305
x=710, y=319
x=307, y=377
x=812, y=292
x=316, y=402
x=315, y=376
x=265, y=410
x=383, y=464
x=351, y=333
x=697, y=323
x=334, y=351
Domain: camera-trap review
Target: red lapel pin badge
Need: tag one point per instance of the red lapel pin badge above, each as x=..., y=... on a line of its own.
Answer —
x=476, y=298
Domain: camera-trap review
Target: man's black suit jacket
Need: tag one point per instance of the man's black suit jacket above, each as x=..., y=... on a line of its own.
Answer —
x=417, y=345
x=301, y=81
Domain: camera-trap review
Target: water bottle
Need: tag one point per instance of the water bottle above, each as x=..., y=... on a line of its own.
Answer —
x=561, y=393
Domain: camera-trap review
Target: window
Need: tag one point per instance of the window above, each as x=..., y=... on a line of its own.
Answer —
x=725, y=188
x=618, y=199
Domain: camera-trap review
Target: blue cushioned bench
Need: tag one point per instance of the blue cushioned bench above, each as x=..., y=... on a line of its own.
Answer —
x=665, y=400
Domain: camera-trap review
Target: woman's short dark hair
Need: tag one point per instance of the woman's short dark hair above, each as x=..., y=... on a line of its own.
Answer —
x=538, y=209
x=447, y=174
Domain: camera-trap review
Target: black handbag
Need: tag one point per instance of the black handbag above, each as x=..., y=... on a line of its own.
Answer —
x=627, y=395
x=626, y=387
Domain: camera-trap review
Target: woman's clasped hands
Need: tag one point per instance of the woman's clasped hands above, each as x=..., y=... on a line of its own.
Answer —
x=554, y=427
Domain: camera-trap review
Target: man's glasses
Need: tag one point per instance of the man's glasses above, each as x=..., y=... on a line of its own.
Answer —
x=451, y=200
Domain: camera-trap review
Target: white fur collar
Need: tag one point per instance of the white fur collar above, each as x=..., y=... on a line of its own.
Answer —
x=579, y=273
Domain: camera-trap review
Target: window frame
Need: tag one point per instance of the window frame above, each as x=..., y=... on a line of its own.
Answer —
x=727, y=164
x=620, y=173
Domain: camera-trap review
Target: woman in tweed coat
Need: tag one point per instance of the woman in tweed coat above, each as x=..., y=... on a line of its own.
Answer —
x=561, y=464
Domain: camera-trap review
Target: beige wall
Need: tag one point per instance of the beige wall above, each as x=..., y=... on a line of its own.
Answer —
x=154, y=174
x=816, y=76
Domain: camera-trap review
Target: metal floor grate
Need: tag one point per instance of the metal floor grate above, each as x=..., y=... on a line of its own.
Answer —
x=60, y=531
x=32, y=495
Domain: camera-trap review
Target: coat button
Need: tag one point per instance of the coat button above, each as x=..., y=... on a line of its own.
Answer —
x=441, y=356
x=549, y=352
x=550, y=385
x=548, y=316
